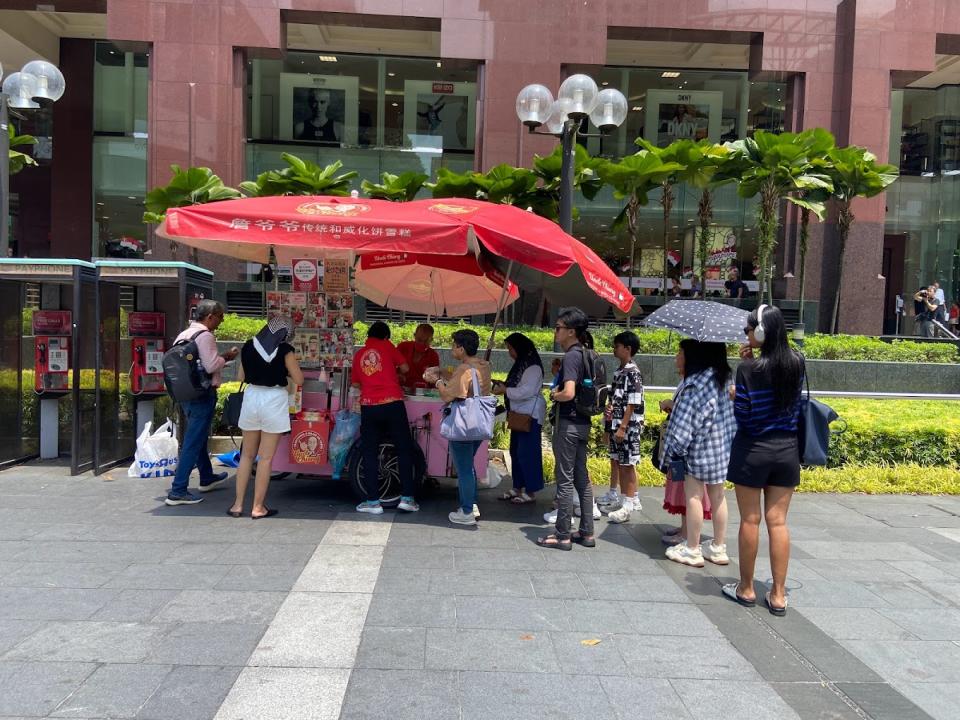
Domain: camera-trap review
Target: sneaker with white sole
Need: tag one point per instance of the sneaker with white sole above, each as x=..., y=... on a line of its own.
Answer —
x=550, y=517
x=610, y=497
x=621, y=515
x=476, y=511
x=717, y=554
x=408, y=504
x=373, y=508
x=596, y=511
x=685, y=555
x=459, y=517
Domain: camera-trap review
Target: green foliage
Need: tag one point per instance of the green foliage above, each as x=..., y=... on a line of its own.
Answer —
x=300, y=177
x=236, y=327
x=860, y=347
x=19, y=160
x=187, y=187
x=398, y=188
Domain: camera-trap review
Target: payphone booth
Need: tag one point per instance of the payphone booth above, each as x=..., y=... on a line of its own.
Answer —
x=143, y=306
x=48, y=378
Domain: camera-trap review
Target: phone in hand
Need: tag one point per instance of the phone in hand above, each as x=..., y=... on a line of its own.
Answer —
x=678, y=469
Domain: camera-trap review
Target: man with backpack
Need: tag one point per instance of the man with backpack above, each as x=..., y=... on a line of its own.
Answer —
x=576, y=398
x=198, y=412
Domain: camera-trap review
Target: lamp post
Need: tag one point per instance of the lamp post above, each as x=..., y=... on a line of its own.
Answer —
x=38, y=82
x=577, y=99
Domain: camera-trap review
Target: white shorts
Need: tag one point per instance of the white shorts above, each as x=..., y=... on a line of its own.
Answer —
x=266, y=409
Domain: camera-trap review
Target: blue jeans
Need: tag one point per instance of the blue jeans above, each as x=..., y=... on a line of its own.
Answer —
x=193, y=453
x=463, y=454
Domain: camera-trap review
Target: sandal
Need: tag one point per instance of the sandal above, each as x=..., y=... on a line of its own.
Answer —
x=552, y=541
x=269, y=513
x=774, y=609
x=509, y=495
x=585, y=540
x=234, y=513
x=730, y=591
x=522, y=499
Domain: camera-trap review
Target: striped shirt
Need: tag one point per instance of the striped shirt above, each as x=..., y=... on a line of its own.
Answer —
x=755, y=405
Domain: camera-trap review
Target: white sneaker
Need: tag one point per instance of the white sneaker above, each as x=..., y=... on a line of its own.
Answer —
x=459, y=517
x=550, y=517
x=408, y=506
x=610, y=497
x=685, y=555
x=596, y=511
x=476, y=511
x=717, y=554
x=619, y=516
x=373, y=509
x=636, y=503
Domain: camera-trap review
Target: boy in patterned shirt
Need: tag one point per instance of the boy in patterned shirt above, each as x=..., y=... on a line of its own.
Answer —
x=626, y=414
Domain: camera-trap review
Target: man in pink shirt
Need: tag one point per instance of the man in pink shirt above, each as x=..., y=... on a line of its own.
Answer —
x=199, y=412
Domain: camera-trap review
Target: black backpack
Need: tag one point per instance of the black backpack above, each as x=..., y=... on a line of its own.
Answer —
x=592, y=390
x=183, y=373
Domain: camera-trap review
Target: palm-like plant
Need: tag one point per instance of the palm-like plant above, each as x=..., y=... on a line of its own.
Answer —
x=192, y=186
x=300, y=177
x=773, y=166
x=398, y=188
x=19, y=160
x=854, y=172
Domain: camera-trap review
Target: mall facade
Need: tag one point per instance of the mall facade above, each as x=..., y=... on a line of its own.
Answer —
x=395, y=85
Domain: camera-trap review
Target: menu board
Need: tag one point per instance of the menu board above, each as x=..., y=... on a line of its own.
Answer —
x=324, y=326
x=336, y=275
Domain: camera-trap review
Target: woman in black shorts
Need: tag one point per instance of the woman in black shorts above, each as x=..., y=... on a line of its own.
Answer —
x=765, y=457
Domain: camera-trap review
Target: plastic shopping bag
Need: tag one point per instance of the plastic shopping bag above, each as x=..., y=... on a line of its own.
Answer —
x=157, y=452
x=346, y=429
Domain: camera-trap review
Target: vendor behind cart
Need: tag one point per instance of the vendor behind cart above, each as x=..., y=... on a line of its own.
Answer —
x=383, y=416
x=419, y=356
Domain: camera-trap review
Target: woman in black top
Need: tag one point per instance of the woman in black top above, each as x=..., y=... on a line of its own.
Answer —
x=267, y=361
x=765, y=457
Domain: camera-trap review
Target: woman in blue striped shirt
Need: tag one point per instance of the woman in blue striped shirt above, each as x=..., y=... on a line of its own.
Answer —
x=765, y=457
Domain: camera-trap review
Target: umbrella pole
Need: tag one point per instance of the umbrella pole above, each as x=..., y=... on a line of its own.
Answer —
x=500, y=305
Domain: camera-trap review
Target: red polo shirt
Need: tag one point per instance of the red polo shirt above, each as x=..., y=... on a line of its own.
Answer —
x=428, y=358
x=375, y=371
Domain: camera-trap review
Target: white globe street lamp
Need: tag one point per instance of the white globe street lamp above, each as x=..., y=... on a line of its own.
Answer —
x=37, y=82
x=577, y=99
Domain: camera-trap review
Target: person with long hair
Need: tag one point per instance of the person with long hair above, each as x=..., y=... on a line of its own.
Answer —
x=523, y=391
x=267, y=362
x=765, y=459
x=696, y=447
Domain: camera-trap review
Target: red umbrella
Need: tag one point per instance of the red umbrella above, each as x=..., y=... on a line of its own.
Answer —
x=528, y=249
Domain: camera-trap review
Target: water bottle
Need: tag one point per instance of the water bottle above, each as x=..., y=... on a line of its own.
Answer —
x=588, y=382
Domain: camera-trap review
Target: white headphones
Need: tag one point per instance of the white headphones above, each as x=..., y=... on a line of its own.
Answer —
x=758, y=332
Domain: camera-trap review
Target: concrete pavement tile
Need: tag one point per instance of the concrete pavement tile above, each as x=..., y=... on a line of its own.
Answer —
x=883, y=702
x=456, y=537
x=927, y=571
x=497, y=583
x=949, y=533
x=403, y=536
x=557, y=561
x=832, y=550
x=409, y=695
x=406, y=610
x=511, y=613
x=655, y=699
x=266, y=554
x=222, y=606
x=815, y=700
x=628, y=562
x=656, y=618
x=940, y=700
x=596, y=615
x=295, y=531
x=418, y=558
x=579, y=654
x=926, y=624
x=373, y=531
x=87, y=641
x=85, y=551
x=18, y=530
x=285, y=694
x=906, y=595
x=206, y=644
x=909, y=661
x=14, y=631
x=52, y=603
x=861, y=571
x=189, y=693
x=113, y=691
x=280, y=578
x=830, y=594
x=732, y=698
x=397, y=648
x=680, y=657
x=347, y=556
x=62, y=574
x=632, y=587
x=10, y=549
x=38, y=688
x=513, y=651
x=407, y=580
x=135, y=605
x=481, y=559
x=561, y=585
x=319, y=577
x=855, y=623
x=519, y=697
x=169, y=577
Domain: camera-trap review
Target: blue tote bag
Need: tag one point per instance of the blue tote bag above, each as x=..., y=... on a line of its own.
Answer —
x=471, y=418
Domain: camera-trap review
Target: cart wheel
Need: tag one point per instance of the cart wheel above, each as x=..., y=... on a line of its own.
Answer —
x=280, y=475
x=389, y=473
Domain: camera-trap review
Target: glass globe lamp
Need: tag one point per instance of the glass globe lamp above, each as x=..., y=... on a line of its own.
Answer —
x=581, y=91
x=20, y=88
x=611, y=110
x=533, y=105
x=50, y=82
x=559, y=112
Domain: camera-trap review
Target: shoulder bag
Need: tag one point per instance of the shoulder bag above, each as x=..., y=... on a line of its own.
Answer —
x=813, y=428
x=231, y=408
x=469, y=419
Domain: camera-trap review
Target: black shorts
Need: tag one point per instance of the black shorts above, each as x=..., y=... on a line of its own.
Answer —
x=771, y=459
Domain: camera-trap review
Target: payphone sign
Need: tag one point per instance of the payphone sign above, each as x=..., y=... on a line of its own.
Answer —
x=52, y=322
x=146, y=324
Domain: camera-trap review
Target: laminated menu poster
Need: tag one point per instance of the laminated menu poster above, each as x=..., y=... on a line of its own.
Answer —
x=315, y=315
x=297, y=307
x=306, y=275
x=307, y=343
x=336, y=275
x=276, y=303
x=338, y=302
x=340, y=320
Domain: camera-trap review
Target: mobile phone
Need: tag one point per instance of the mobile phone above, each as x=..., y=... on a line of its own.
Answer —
x=678, y=469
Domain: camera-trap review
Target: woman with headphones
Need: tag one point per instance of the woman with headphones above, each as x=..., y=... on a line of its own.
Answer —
x=765, y=458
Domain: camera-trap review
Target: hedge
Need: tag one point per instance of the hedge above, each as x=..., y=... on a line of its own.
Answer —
x=653, y=341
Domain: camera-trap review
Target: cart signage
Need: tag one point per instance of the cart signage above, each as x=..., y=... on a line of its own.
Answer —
x=375, y=261
x=308, y=441
x=306, y=276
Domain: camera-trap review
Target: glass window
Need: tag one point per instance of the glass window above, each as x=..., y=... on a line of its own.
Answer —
x=119, y=151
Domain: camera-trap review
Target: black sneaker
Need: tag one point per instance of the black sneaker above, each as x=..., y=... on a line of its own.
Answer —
x=216, y=481
x=188, y=498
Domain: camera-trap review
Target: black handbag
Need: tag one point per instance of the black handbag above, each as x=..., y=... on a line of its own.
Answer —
x=813, y=436
x=230, y=416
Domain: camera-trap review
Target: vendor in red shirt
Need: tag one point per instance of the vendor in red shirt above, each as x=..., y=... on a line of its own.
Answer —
x=419, y=356
x=383, y=417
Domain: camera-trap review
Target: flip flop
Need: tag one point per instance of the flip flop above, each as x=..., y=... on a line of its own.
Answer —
x=774, y=610
x=234, y=513
x=269, y=513
x=552, y=541
x=730, y=590
x=509, y=496
x=581, y=540
x=522, y=499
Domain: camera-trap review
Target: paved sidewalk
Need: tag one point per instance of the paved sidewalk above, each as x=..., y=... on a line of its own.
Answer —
x=116, y=606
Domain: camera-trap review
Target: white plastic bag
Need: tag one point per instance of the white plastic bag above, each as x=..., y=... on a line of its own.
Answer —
x=157, y=452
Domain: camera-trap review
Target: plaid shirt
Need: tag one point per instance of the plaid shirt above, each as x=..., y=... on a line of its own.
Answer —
x=701, y=427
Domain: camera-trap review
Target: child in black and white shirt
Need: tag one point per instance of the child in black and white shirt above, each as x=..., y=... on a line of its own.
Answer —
x=626, y=413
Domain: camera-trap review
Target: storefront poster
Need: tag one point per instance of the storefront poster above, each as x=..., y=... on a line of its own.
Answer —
x=439, y=115
x=336, y=276
x=316, y=313
x=308, y=441
x=319, y=108
x=683, y=115
x=306, y=276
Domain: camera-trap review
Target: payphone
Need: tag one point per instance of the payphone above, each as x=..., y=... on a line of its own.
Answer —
x=146, y=330
x=51, y=351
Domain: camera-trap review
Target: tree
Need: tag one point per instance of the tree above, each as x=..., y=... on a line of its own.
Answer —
x=19, y=160
x=192, y=186
x=398, y=188
x=300, y=177
x=854, y=172
x=773, y=166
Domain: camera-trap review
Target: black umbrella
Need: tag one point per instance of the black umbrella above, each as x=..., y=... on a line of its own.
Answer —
x=701, y=320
